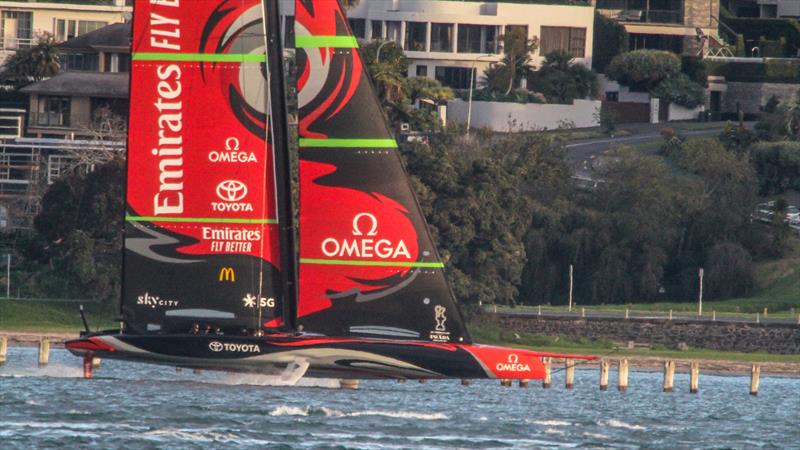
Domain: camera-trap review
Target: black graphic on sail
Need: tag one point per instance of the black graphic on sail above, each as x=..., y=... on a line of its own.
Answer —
x=368, y=266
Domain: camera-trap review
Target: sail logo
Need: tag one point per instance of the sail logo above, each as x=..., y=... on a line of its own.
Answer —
x=232, y=153
x=231, y=192
x=217, y=347
x=227, y=274
x=251, y=301
x=154, y=301
x=513, y=365
x=440, y=333
x=231, y=240
x=363, y=244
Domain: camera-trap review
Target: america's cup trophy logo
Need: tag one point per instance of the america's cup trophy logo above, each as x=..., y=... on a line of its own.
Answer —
x=440, y=317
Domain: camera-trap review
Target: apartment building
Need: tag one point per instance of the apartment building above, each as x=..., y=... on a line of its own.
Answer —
x=765, y=9
x=682, y=26
x=22, y=21
x=448, y=40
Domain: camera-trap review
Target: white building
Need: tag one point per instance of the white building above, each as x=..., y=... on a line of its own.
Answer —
x=445, y=39
x=22, y=21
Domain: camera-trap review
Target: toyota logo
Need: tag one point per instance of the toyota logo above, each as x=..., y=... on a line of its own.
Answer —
x=215, y=346
x=231, y=190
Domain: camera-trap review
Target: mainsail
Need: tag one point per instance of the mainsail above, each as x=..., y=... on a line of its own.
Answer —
x=204, y=196
x=368, y=265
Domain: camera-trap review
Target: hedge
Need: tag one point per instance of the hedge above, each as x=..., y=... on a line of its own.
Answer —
x=768, y=72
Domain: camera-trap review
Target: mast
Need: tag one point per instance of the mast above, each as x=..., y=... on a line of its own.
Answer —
x=280, y=142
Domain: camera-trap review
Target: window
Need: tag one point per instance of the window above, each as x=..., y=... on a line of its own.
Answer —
x=81, y=61
x=416, y=36
x=52, y=111
x=288, y=32
x=422, y=71
x=393, y=31
x=16, y=29
x=117, y=62
x=442, y=37
x=69, y=28
x=358, y=27
x=572, y=40
x=477, y=39
x=455, y=77
x=377, y=29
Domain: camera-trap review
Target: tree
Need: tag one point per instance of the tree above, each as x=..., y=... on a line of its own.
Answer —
x=610, y=39
x=517, y=59
x=563, y=81
x=644, y=69
x=680, y=90
x=36, y=63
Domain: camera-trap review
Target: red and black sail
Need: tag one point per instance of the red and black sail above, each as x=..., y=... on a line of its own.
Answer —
x=205, y=198
x=368, y=265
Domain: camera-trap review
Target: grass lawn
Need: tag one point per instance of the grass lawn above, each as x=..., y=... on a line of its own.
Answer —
x=489, y=334
x=35, y=315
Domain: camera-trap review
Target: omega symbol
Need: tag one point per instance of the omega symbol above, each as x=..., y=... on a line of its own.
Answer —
x=373, y=230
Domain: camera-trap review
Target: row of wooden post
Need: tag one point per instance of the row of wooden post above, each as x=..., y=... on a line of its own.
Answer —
x=44, y=352
x=622, y=372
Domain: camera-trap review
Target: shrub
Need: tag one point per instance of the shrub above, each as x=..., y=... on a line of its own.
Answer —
x=777, y=165
x=771, y=71
x=695, y=69
x=681, y=91
x=562, y=81
x=730, y=271
x=644, y=68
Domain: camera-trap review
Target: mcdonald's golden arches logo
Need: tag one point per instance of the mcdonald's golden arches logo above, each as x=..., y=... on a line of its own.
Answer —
x=227, y=274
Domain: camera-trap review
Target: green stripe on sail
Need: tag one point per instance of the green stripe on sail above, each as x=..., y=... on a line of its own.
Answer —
x=200, y=220
x=348, y=143
x=201, y=57
x=325, y=42
x=342, y=262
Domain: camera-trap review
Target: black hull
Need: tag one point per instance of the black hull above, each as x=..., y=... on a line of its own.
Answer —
x=324, y=357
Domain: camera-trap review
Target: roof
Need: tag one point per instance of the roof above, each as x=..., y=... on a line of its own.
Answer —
x=83, y=84
x=114, y=35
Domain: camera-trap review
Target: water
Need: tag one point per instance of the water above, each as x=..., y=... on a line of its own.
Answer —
x=140, y=406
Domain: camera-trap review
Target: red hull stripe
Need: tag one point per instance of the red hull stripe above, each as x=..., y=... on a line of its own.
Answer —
x=348, y=143
x=200, y=57
x=343, y=262
x=93, y=344
x=200, y=220
x=326, y=42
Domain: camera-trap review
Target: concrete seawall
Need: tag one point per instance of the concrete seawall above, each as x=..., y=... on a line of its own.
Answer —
x=727, y=336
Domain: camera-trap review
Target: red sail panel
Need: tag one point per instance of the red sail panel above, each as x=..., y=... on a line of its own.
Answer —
x=201, y=228
x=368, y=265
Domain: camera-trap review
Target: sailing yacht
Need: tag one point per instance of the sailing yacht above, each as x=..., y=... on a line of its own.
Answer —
x=216, y=275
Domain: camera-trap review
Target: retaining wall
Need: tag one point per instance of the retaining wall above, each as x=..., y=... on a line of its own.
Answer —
x=715, y=335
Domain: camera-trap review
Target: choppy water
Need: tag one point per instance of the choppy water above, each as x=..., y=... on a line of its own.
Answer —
x=138, y=406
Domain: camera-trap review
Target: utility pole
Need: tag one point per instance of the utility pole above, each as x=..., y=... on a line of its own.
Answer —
x=700, y=295
x=570, y=288
x=8, y=275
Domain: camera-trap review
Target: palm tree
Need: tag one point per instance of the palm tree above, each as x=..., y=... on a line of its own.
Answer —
x=36, y=63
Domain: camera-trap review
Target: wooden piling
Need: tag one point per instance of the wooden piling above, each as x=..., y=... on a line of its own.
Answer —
x=401, y=380
x=714, y=315
x=178, y=369
x=670, y=314
x=626, y=313
x=523, y=383
x=3, y=349
x=583, y=312
x=694, y=377
x=547, y=381
x=623, y=375
x=604, y=375
x=569, y=365
x=669, y=375
x=95, y=362
x=422, y=381
x=466, y=382
x=505, y=382
x=44, y=352
x=348, y=384
x=755, y=373
x=197, y=371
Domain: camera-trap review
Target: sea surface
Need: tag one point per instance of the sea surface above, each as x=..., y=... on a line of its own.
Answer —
x=136, y=406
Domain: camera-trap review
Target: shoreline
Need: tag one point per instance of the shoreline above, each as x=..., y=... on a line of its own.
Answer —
x=638, y=363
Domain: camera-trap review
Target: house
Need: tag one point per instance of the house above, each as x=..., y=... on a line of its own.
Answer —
x=685, y=27
x=21, y=22
x=448, y=40
x=94, y=77
x=765, y=9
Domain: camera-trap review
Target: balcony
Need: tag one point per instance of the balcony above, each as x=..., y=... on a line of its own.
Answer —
x=13, y=44
x=58, y=120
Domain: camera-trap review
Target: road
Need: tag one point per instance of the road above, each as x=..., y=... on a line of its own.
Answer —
x=580, y=154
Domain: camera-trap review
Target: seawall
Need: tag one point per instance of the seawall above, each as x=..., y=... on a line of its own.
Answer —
x=716, y=335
